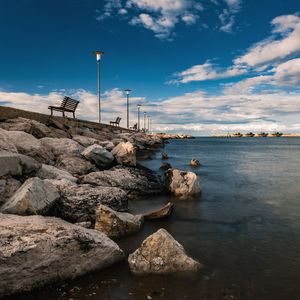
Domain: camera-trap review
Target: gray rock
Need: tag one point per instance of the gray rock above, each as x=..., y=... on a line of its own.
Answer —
x=8, y=186
x=79, y=203
x=17, y=164
x=125, y=154
x=84, y=140
x=136, y=181
x=116, y=224
x=182, y=184
x=29, y=145
x=5, y=143
x=160, y=253
x=75, y=165
x=36, y=250
x=108, y=145
x=50, y=172
x=33, y=197
x=98, y=155
x=84, y=224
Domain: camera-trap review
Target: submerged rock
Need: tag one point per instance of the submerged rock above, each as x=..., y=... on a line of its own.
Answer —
x=38, y=250
x=136, y=181
x=116, y=224
x=79, y=203
x=182, y=184
x=125, y=154
x=164, y=155
x=165, y=166
x=195, y=163
x=159, y=213
x=33, y=197
x=160, y=253
x=98, y=155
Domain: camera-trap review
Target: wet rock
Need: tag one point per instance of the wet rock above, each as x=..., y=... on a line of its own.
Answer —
x=195, y=163
x=75, y=165
x=164, y=155
x=36, y=250
x=125, y=154
x=62, y=146
x=8, y=186
x=50, y=172
x=165, y=166
x=98, y=155
x=84, y=140
x=159, y=213
x=33, y=197
x=79, y=203
x=160, y=253
x=116, y=224
x=136, y=181
x=17, y=164
x=29, y=145
x=182, y=184
x=5, y=143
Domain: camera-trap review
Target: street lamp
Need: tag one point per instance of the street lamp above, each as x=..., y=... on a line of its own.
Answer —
x=127, y=91
x=139, y=108
x=145, y=113
x=98, y=58
x=149, y=124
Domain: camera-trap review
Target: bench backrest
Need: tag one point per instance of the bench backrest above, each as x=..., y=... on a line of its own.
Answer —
x=118, y=120
x=69, y=103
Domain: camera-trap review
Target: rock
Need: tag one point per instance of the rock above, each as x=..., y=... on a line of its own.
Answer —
x=5, y=143
x=159, y=213
x=75, y=165
x=98, y=155
x=36, y=250
x=182, y=184
x=63, y=146
x=8, y=186
x=165, y=166
x=60, y=183
x=108, y=145
x=33, y=197
x=137, y=182
x=84, y=140
x=125, y=154
x=17, y=164
x=116, y=224
x=50, y=172
x=29, y=145
x=84, y=224
x=79, y=203
x=164, y=155
x=160, y=253
x=195, y=163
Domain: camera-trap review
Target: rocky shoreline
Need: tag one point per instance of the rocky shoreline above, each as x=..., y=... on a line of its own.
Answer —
x=64, y=194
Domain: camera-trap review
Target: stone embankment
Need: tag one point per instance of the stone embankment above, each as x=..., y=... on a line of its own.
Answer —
x=64, y=191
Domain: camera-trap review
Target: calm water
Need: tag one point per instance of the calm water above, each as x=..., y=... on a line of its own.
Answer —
x=245, y=227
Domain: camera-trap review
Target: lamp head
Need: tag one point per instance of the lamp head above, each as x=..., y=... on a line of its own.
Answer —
x=98, y=55
x=127, y=91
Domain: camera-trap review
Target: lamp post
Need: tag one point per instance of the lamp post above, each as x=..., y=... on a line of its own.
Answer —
x=98, y=58
x=139, y=108
x=127, y=91
x=145, y=113
x=149, y=124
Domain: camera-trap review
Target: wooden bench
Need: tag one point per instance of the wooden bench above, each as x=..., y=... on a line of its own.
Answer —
x=116, y=123
x=67, y=105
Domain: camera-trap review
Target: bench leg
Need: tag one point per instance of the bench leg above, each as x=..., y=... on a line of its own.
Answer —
x=51, y=112
x=63, y=114
x=73, y=114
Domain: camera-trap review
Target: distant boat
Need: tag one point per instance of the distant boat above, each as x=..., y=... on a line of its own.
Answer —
x=249, y=134
x=276, y=134
x=262, y=134
x=238, y=134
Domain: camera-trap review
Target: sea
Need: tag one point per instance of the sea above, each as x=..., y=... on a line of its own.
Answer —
x=244, y=227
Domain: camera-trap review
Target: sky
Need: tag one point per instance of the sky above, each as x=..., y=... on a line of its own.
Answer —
x=196, y=66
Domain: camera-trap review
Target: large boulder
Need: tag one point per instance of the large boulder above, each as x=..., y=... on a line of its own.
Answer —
x=160, y=253
x=84, y=140
x=33, y=197
x=50, y=172
x=29, y=145
x=17, y=164
x=116, y=224
x=79, y=203
x=75, y=165
x=36, y=250
x=108, y=145
x=137, y=181
x=8, y=186
x=125, y=154
x=98, y=156
x=182, y=184
x=5, y=143
x=62, y=146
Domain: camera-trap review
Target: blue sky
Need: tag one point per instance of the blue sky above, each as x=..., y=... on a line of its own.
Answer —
x=196, y=66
